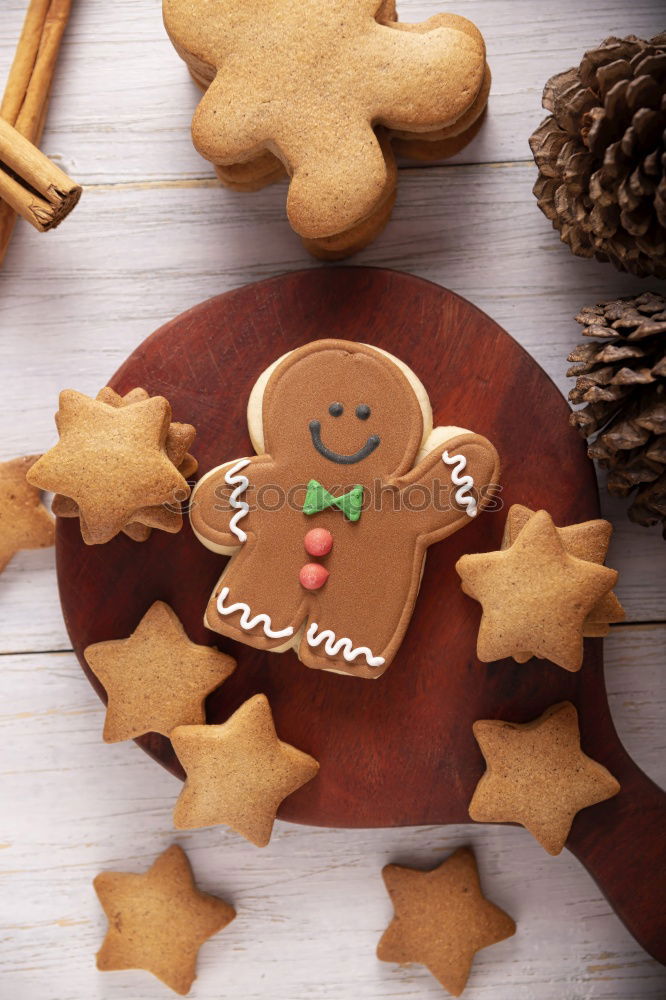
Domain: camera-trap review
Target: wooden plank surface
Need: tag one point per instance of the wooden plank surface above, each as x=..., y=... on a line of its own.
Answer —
x=152, y=236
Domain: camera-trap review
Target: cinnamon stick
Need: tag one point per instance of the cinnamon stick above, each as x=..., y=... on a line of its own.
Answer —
x=31, y=184
x=29, y=83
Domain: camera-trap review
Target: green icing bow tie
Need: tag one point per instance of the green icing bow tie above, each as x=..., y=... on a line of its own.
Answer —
x=317, y=498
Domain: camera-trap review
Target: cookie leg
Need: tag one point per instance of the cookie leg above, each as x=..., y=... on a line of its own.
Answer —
x=332, y=190
x=355, y=239
x=327, y=646
x=343, y=635
x=359, y=236
x=252, y=603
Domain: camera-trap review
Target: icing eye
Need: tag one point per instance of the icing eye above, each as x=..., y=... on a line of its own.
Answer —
x=336, y=409
x=363, y=411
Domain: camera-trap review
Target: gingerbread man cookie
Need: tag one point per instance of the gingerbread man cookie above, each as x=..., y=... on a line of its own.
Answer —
x=310, y=82
x=328, y=525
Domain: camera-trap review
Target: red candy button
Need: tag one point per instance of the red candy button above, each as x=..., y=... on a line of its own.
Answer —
x=318, y=542
x=313, y=576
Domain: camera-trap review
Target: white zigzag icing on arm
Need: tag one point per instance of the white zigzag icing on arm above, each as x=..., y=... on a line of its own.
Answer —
x=465, y=483
x=333, y=646
x=246, y=622
x=241, y=483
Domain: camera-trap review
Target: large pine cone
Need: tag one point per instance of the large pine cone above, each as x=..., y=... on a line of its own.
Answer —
x=601, y=155
x=622, y=379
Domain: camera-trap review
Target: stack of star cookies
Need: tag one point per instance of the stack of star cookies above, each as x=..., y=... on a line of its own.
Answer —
x=120, y=465
x=325, y=92
x=544, y=591
x=588, y=541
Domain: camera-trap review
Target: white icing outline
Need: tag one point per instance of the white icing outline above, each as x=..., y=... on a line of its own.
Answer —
x=465, y=483
x=333, y=645
x=246, y=622
x=241, y=482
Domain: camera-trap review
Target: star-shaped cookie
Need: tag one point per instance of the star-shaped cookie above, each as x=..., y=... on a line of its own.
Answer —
x=588, y=540
x=537, y=775
x=24, y=521
x=441, y=919
x=156, y=679
x=111, y=461
x=159, y=920
x=534, y=595
x=167, y=517
x=238, y=773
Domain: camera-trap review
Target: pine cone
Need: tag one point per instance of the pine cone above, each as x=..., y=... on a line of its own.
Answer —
x=601, y=155
x=622, y=381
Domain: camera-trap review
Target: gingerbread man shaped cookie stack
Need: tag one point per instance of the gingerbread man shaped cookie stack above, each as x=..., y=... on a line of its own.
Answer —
x=318, y=91
x=328, y=525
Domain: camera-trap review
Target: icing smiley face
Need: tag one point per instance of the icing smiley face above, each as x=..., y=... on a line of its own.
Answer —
x=337, y=410
x=351, y=408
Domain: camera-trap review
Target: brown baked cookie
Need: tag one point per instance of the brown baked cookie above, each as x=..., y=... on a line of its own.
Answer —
x=254, y=175
x=265, y=168
x=355, y=239
x=157, y=678
x=588, y=540
x=111, y=461
x=334, y=73
x=462, y=126
x=534, y=595
x=346, y=449
x=158, y=921
x=361, y=234
x=537, y=775
x=238, y=773
x=178, y=440
x=24, y=521
x=441, y=919
x=427, y=150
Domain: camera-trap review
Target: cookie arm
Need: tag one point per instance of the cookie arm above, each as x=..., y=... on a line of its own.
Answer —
x=450, y=486
x=222, y=502
x=426, y=75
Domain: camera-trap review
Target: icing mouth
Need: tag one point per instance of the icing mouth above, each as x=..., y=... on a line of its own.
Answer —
x=334, y=456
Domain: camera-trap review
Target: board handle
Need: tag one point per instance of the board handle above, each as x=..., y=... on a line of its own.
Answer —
x=622, y=843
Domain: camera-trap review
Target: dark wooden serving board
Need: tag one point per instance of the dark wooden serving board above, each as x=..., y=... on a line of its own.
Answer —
x=398, y=750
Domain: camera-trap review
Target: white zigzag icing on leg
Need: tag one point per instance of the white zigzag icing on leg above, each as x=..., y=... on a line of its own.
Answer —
x=333, y=646
x=246, y=622
x=232, y=478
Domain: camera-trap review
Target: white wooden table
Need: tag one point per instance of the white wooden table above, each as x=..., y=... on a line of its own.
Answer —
x=153, y=235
